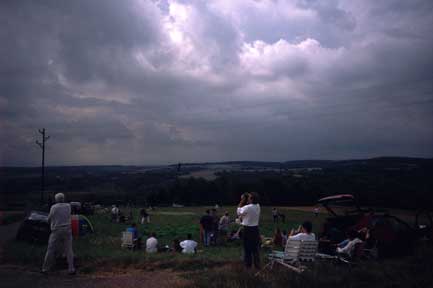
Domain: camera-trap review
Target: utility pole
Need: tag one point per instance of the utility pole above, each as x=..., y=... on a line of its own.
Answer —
x=42, y=146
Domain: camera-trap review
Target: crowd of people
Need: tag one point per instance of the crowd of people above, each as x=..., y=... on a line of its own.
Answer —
x=214, y=230
x=152, y=245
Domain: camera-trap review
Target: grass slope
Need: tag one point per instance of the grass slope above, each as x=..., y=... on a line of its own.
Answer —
x=221, y=266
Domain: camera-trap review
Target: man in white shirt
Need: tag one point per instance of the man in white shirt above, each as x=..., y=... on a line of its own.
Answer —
x=188, y=245
x=303, y=233
x=59, y=219
x=152, y=244
x=249, y=212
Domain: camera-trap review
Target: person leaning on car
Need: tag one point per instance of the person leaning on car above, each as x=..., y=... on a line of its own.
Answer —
x=61, y=234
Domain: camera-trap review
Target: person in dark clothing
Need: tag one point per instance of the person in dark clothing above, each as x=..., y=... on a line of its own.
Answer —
x=282, y=217
x=275, y=215
x=215, y=223
x=277, y=240
x=176, y=246
x=206, y=224
x=144, y=216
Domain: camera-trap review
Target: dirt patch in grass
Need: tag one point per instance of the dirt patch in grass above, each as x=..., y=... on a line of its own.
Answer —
x=101, y=279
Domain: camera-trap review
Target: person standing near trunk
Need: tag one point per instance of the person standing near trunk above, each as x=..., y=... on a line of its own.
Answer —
x=249, y=212
x=61, y=234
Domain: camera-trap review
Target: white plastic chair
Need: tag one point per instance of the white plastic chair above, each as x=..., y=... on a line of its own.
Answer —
x=295, y=253
x=127, y=240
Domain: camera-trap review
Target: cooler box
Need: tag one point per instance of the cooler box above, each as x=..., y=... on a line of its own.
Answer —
x=80, y=225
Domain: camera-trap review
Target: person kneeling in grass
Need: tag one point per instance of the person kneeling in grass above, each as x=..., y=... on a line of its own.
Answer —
x=188, y=246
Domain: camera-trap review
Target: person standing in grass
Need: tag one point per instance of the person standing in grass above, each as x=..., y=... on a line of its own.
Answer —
x=215, y=222
x=145, y=218
x=224, y=225
x=61, y=234
x=249, y=212
x=206, y=225
x=275, y=215
x=115, y=214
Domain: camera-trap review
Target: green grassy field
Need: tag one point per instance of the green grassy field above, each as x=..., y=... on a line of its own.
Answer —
x=221, y=266
x=103, y=246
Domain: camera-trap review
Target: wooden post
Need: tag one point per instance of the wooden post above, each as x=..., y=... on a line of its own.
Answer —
x=42, y=146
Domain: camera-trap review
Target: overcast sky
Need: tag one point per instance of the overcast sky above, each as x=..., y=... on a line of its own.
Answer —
x=159, y=82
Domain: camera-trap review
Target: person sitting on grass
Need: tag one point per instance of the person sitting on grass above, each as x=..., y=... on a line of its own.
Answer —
x=176, y=246
x=152, y=243
x=347, y=246
x=304, y=232
x=188, y=246
x=284, y=236
x=135, y=237
x=277, y=240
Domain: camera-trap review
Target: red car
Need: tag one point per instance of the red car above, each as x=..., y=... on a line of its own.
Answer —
x=389, y=234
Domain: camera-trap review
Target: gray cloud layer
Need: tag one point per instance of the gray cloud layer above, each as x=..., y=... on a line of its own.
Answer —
x=140, y=82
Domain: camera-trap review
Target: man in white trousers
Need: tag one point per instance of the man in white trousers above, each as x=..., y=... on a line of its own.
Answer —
x=61, y=234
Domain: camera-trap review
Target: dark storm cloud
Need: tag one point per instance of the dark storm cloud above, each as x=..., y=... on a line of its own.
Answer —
x=136, y=82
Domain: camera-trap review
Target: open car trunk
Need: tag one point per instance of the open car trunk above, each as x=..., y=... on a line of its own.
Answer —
x=391, y=235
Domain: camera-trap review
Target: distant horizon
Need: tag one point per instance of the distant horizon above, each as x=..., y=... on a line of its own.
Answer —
x=221, y=162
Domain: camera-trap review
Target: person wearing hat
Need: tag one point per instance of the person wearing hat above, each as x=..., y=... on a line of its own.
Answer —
x=60, y=238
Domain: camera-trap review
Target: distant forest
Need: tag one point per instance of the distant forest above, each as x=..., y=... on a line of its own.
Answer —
x=381, y=182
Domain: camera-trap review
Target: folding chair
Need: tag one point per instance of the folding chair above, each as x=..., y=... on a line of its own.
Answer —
x=358, y=253
x=127, y=240
x=295, y=253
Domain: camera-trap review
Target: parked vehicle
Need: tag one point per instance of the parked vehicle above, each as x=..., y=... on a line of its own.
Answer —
x=388, y=233
x=36, y=229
